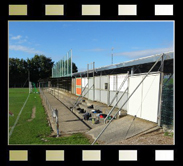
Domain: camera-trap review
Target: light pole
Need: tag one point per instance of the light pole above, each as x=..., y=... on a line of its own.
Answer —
x=112, y=56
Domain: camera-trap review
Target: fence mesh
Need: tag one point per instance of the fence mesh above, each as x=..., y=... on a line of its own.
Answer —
x=63, y=68
x=167, y=103
x=51, y=112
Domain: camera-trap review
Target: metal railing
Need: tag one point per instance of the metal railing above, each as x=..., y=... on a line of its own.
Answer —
x=54, y=91
x=51, y=110
x=109, y=113
x=102, y=131
x=117, y=92
x=81, y=96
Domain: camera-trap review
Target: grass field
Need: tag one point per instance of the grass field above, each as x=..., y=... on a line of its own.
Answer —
x=34, y=129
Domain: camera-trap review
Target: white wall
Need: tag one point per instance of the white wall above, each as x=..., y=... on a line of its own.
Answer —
x=101, y=94
x=144, y=102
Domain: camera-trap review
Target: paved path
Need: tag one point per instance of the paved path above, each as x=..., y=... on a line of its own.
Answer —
x=122, y=128
x=68, y=122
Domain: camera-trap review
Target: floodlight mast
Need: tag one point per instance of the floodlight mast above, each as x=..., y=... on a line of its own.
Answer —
x=71, y=62
x=112, y=56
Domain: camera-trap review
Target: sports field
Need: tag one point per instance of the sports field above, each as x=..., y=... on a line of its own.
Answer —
x=32, y=126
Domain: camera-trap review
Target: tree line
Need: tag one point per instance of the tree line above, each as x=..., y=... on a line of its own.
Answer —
x=34, y=69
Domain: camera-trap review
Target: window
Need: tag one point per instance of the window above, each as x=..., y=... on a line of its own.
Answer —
x=106, y=85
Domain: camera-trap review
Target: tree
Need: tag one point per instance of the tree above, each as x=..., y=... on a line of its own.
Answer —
x=74, y=68
x=39, y=67
x=17, y=72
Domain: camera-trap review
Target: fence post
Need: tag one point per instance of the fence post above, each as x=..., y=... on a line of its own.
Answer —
x=54, y=112
x=160, y=90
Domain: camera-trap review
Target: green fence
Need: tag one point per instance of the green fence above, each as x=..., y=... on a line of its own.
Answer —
x=167, y=104
x=63, y=68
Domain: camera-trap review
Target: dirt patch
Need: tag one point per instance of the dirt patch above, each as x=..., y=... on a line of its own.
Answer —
x=62, y=134
x=156, y=137
x=91, y=140
x=33, y=114
x=89, y=137
x=153, y=138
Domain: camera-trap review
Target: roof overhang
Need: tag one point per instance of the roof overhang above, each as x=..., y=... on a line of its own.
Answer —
x=143, y=65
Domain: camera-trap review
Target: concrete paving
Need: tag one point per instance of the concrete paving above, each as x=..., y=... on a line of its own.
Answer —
x=120, y=129
x=69, y=100
x=68, y=122
x=72, y=122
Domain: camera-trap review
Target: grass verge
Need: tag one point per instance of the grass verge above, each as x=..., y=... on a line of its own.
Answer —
x=36, y=131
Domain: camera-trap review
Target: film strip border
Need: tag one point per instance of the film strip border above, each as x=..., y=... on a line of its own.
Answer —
x=90, y=10
x=91, y=155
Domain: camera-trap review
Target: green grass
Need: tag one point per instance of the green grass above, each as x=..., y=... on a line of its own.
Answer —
x=169, y=134
x=17, y=97
x=36, y=131
x=74, y=139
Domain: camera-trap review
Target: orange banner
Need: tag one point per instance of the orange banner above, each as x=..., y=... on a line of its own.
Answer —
x=78, y=81
x=78, y=91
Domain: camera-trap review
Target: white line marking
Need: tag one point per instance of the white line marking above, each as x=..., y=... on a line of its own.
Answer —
x=18, y=116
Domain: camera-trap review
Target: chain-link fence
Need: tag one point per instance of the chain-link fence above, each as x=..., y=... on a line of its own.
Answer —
x=51, y=112
x=167, y=104
x=63, y=67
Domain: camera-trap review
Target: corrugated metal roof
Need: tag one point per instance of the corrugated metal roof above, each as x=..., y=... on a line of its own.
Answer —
x=144, y=60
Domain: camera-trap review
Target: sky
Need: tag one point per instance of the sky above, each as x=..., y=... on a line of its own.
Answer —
x=90, y=41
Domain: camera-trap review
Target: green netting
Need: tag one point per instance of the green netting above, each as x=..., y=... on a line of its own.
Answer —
x=167, y=104
x=63, y=68
x=34, y=86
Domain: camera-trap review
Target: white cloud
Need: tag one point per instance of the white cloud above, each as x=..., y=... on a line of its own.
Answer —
x=16, y=37
x=21, y=41
x=24, y=49
x=81, y=69
x=142, y=53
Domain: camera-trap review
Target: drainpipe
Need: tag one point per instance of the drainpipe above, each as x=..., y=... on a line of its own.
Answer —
x=93, y=81
x=132, y=71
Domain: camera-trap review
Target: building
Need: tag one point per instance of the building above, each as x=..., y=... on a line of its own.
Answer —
x=143, y=87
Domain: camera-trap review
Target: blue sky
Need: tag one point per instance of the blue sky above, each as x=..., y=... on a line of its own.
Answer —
x=90, y=41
